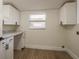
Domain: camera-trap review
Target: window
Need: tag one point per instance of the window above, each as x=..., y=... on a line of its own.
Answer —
x=37, y=25
x=37, y=21
x=37, y=17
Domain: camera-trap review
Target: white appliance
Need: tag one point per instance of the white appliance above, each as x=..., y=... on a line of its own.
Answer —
x=2, y=49
x=9, y=47
x=6, y=48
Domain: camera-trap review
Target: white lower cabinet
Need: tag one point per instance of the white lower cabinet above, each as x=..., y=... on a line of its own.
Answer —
x=6, y=48
x=2, y=50
x=9, y=48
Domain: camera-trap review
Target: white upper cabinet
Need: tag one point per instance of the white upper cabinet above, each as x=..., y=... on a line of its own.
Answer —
x=68, y=14
x=17, y=17
x=11, y=15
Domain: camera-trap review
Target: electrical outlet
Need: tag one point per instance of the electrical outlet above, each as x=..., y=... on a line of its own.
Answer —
x=63, y=46
x=77, y=32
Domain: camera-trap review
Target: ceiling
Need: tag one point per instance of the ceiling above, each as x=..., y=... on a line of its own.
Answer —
x=24, y=5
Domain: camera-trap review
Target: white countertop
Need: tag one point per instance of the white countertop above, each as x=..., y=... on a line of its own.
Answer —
x=11, y=34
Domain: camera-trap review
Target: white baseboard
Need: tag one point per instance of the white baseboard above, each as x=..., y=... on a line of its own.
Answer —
x=17, y=49
x=73, y=55
x=45, y=47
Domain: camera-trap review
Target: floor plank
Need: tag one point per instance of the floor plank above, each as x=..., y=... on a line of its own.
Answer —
x=40, y=54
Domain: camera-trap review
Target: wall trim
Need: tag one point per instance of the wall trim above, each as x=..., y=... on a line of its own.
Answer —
x=45, y=47
x=73, y=55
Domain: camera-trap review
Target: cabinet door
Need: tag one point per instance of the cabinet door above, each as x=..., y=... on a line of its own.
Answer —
x=13, y=15
x=2, y=50
x=63, y=17
x=12, y=12
x=71, y=13
x=9, y=52
x=16, y=16
x=11, y=49
x=8, y=15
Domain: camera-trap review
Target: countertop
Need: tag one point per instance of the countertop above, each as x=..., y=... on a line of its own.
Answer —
x=11, y=34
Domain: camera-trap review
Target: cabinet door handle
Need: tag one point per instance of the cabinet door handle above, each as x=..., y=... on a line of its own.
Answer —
x=3, y=43
x=7, y=47
x=10, y=40
x=16, y=23
x=3, y=22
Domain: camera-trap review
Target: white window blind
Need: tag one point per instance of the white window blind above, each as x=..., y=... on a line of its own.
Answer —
x=38, y=17
x=37, y=25
x=37, y=21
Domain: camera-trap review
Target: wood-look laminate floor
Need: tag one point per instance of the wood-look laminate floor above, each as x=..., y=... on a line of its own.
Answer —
x=40, y=54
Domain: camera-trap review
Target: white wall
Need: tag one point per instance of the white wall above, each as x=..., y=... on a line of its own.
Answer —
x=1, y=18
x=52, y=36
x=73, y=39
